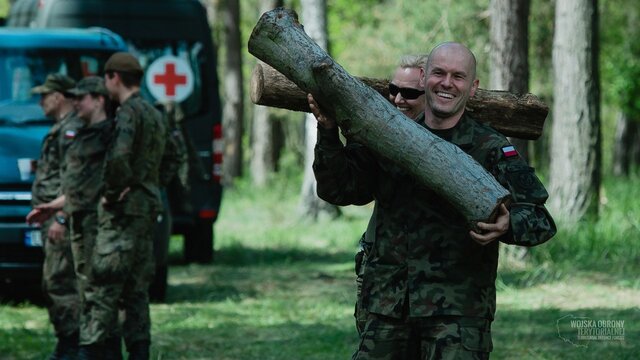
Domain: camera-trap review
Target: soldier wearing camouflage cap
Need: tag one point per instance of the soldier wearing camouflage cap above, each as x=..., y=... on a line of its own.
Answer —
x=55, y=82
x=122, y=262
x=59, y=281
x=428, y=281
x=90, y=85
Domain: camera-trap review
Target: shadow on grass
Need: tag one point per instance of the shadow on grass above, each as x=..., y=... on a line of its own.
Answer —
x=544, y=274
x=239, y=255
x=11, y=294
x=26, y=344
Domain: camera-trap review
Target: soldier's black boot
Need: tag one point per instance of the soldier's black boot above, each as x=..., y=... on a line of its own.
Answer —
x=66, y=348
x=113, y=348
x=91, y=352
x=139, y=350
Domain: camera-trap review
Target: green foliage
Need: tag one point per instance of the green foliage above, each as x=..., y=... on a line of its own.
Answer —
x=620, y=55
x=609, y=244
x=369, y=42
x=4, y=8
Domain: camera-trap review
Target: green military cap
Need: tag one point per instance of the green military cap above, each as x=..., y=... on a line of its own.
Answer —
x=122, y=61
x=90, y=85
x=54, y=82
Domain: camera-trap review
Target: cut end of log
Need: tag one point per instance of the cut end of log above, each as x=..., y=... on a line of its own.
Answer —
x=257, y=83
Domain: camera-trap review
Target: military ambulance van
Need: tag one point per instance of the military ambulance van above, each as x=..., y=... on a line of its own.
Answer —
x=172, y=40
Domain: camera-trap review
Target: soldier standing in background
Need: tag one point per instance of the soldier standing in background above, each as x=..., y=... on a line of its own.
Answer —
x=58, y=277
x=122, y=262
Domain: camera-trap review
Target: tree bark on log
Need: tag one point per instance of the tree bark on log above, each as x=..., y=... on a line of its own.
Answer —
x=365, y=116
x=520, y=116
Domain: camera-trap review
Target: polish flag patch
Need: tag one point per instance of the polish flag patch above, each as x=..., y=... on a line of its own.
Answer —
x=69, y=134
x=509, y=151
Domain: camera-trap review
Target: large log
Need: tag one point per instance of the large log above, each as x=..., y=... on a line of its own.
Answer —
x=364, y=115
x=520, y=116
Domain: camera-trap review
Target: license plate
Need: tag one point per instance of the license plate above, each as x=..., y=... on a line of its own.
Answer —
x=33, y=238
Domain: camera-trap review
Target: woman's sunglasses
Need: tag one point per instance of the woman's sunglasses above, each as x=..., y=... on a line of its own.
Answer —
x=407, y=93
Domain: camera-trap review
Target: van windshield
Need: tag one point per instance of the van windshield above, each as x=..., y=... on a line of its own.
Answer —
x=192, y=52
x=22, y=69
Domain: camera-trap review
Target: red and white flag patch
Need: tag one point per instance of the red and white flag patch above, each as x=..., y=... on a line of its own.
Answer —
x=69, y=134
x=509, y=151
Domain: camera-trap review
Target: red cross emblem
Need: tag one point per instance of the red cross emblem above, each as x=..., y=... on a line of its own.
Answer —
x=170, y=79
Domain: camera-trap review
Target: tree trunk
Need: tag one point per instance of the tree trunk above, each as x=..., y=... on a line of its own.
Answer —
x=626, y=151
x=262, y=161
x=575, y=145
x=368, y=118
x=233, y=105
x=314, y=12
x=511, y=114
x=509, y=52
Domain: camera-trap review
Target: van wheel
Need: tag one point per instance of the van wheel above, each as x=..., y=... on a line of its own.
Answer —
x=198, y=242
x=158, y=288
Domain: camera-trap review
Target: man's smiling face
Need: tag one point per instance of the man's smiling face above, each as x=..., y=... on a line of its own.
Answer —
x=450, y=81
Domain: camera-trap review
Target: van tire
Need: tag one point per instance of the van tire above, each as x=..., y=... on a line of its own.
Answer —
x=158, y=288
x=198, y=242
x=162, y=235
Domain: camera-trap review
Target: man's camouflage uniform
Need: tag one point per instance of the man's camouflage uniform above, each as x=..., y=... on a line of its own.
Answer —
x=123, y=257
x=423, y=273
x=58, y=276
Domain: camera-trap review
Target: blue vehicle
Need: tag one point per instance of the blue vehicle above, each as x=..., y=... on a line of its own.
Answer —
x=26, y=57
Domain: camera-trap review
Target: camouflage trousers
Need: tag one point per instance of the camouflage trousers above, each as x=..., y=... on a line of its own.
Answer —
x=122, y=267
x=59, y=284
x=84, y=228
x=436, y=338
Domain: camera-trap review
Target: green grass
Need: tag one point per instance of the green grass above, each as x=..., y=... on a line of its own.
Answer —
x=282, y=287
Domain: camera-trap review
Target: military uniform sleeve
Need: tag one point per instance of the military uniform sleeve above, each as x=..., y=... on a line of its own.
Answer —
x=117, y=171
x=345, y=174
x=531, y=223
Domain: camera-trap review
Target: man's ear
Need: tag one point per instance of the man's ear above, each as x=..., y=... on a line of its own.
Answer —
x=474, y=87
x=422, y=82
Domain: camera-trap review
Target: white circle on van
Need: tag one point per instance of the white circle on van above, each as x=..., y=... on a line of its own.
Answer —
x=169, y=78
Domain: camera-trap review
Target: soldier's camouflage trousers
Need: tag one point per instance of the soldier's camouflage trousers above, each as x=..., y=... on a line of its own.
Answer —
x=122, y=268
x=437, y=338
x=84, y=228
x=59, y=284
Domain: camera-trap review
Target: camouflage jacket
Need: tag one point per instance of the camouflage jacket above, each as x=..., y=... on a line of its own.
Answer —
x=422, y=261
x=82, y=182
x=51, y=164
x=133, y=160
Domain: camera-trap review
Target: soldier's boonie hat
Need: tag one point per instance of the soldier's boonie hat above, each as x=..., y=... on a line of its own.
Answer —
x=90, y=85
x=54, y=82
x=122, y=61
